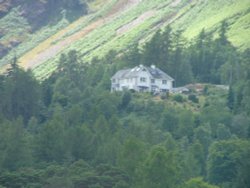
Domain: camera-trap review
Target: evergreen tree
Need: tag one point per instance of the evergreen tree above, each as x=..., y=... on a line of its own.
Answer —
x=223, y=160
x=152, y=49
x=131, y=157
x=223, y=40
x=133, y=56
x=51, y=144
x=14, y=148
x=160, y=169
x=166, y=49
x=21, y=94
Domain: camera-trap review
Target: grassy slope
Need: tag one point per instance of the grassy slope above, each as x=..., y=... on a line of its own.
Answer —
x=210, y=13
x=190, y=15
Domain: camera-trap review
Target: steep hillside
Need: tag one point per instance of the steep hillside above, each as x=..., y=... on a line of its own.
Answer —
x=117, y=24
x=24, y=21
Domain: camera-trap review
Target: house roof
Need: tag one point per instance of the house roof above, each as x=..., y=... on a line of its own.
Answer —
x=131, y=73
x=121, y=73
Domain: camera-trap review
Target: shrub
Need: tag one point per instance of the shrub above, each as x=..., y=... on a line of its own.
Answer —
x=193, y=98
x=178, y=98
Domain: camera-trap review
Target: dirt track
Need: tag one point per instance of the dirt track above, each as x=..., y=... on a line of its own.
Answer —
x=50, y=52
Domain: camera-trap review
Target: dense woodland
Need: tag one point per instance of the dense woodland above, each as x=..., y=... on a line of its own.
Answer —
x=68, y=130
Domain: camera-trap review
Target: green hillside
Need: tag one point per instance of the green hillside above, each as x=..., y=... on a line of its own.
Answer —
x=117, y=24
x=70, y=123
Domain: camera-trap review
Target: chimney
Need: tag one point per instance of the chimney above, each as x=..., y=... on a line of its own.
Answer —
x=153, y=66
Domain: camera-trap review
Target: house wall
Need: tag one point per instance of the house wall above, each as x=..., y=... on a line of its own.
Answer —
x=160, y=85
x=127, y=83
x=132, y=82
x=147, y=83
x=170, y=84
x=135, y=83
x=115, y=86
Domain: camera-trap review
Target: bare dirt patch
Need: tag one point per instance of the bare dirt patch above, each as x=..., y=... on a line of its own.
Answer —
x=135, y=22
x=55, y=49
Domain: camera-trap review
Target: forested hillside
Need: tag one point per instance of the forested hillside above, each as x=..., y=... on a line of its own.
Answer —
x=69, y=131
x=61, y=127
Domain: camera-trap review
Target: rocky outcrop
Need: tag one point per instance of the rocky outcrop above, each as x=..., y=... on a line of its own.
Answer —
x=39, y=12
x=36, y=13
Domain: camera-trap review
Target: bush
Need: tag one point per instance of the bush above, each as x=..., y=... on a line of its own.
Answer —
x=178, y=98
x=193, y=98
x=126, y=98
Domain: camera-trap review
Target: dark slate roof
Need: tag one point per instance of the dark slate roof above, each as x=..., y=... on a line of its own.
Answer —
x=131, y=73
x=158, y=73
x=121, y=73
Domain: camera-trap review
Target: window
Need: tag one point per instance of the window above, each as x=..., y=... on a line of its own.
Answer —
x=113, y=80
x=152, y=81
x=164, y=82
x=142, y=79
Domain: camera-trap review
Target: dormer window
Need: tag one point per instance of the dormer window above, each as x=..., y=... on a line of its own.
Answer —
x=152, y=81
x=164, y=82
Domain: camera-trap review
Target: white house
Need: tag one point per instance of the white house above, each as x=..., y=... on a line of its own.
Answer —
x=143, y=79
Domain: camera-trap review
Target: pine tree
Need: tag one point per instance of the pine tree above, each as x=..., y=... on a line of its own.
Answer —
x=160, y=169
x=166, y=49
x=223, y=40
x=151, y=51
